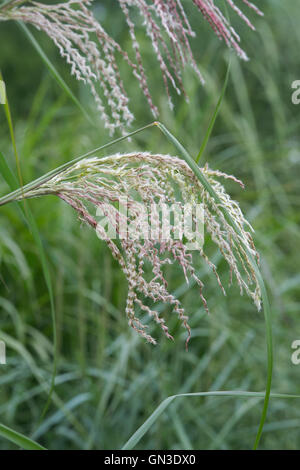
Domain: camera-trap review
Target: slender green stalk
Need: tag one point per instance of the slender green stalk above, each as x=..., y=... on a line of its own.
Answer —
x=43, y=179
x=214, y=116
x=12, y=136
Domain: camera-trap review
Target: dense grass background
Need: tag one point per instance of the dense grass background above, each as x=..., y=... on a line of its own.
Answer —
x=109, y=381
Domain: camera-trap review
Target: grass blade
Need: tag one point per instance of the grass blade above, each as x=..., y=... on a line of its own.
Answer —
x=19, y=439
x=137, y=436
x=12, y=135
x=214, y=116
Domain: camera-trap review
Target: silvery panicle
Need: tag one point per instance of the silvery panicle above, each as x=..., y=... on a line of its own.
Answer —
x=92, y=53
x=99, y=183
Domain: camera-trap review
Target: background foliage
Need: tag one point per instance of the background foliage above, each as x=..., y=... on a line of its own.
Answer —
x=109, y=381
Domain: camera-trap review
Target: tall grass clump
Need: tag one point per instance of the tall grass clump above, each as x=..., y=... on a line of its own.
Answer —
x=90, y=180
x=91, y=184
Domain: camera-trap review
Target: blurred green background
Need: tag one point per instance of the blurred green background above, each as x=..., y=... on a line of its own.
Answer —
x=109, y=380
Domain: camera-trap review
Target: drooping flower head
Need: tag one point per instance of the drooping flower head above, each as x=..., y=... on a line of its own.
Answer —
x=93, y=54
x=142, y=181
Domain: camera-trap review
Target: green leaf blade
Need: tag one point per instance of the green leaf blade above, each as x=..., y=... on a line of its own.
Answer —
x=19, y=439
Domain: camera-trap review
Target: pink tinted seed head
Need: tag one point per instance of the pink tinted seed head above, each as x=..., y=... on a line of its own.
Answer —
x=93, y=55
x=142, y=181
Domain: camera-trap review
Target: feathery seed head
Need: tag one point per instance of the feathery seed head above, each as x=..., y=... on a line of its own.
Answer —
x=93, y=54
x=142, y=180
